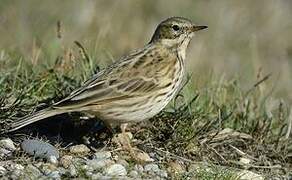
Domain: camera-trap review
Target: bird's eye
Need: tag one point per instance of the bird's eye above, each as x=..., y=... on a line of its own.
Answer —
x=175, y=27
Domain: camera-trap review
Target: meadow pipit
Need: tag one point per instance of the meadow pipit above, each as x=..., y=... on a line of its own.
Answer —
x=137, y=86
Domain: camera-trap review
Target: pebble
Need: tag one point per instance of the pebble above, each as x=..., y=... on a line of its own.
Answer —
x=89, y=173
x=17, y=170
x=77, y=161
x=244, y=160
x=245, y=174
x=139, y=168
x=151, y=167
x=123, y=162
x=134, y=174
x=193, y=168
x=4, y=152
x=85, y=167
x=54, y=175
x=176, y=167
x=7, y=144
x=79, y=149
x=53, y=159
x=66, y=161
x=2, y=171
x=16, y=174
x=102, y=155
x=62, y=171
x=40, y=149
x=99, y=163
x=97, y=176
x=72, y=171
x=163, y=174
x=17, y=167
x=116, y=170
x=48, y=168
x=102, y=177
x=144, y=157
x=33, y=171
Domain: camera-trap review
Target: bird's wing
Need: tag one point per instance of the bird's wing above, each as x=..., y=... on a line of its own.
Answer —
x=116, y=82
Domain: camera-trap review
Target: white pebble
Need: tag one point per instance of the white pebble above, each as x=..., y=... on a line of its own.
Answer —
x=7, y=144
x=102, y=155
x=79, y=149
x=2, y=170
x=116, y=170
x=152, y=167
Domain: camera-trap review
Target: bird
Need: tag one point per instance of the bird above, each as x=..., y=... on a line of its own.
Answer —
x=134, y=88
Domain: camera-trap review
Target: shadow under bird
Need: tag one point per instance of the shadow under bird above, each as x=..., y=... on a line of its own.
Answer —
x=134, y=88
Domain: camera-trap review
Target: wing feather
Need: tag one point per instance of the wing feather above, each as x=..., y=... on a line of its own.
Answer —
x=109, y=85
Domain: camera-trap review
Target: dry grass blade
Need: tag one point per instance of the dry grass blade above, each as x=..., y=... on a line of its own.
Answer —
x=265, y=78
x=82, y=51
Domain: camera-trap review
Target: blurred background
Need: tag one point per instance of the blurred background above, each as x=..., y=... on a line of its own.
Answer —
x=246, y=39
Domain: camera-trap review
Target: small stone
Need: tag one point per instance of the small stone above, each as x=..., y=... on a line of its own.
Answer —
x=134, y=174
x=79, y=149
x=102, y=177
x=53, y=159
x=66, y=161
x=33, y=171
x=17, y=167
x=144, y=157
x=123, y=162
x=245, y=161
x=193, y=168
x=245, y=174
x=98, y=164
x=89, y=173
x=116, y=170
x=86, y=167
x=7, y=144
x=2, y=171
x=72, y=171
x=78, y=160
x=176, y=167
x=17, y=170
x=40, y=149
x=102, y=155
x=98, y=176
x=162, y=174
x=54, y=175
x=48, y=168
x=15, y=174
x=4, y=152
x=139, y=168
x=38, y=164
x=152, y=168
x=62, y=171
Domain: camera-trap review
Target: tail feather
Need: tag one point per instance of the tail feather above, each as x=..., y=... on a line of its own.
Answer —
x=40, y=115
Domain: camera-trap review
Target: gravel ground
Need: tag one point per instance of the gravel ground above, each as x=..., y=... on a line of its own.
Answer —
x=36, y=159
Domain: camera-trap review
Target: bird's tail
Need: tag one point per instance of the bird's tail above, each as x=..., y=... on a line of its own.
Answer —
x=37, y=116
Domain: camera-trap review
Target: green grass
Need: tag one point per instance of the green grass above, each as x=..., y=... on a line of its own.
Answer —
x=215, y=173
x=189, y=126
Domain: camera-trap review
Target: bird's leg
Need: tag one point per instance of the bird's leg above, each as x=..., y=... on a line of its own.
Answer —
x=127, y=141
x=126, y=138
x=124, y=127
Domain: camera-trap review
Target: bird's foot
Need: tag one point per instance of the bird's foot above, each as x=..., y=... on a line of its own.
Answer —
x=124, y=141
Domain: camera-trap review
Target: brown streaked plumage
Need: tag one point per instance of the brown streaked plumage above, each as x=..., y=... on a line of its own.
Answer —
x=137, y=86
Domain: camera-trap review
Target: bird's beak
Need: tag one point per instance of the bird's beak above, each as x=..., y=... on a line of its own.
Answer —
x=198, y=28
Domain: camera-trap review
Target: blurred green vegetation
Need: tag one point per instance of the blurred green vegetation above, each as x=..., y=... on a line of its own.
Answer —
x=245, y=39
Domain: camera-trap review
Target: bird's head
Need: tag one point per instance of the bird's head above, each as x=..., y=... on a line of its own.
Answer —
x=175, y=32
